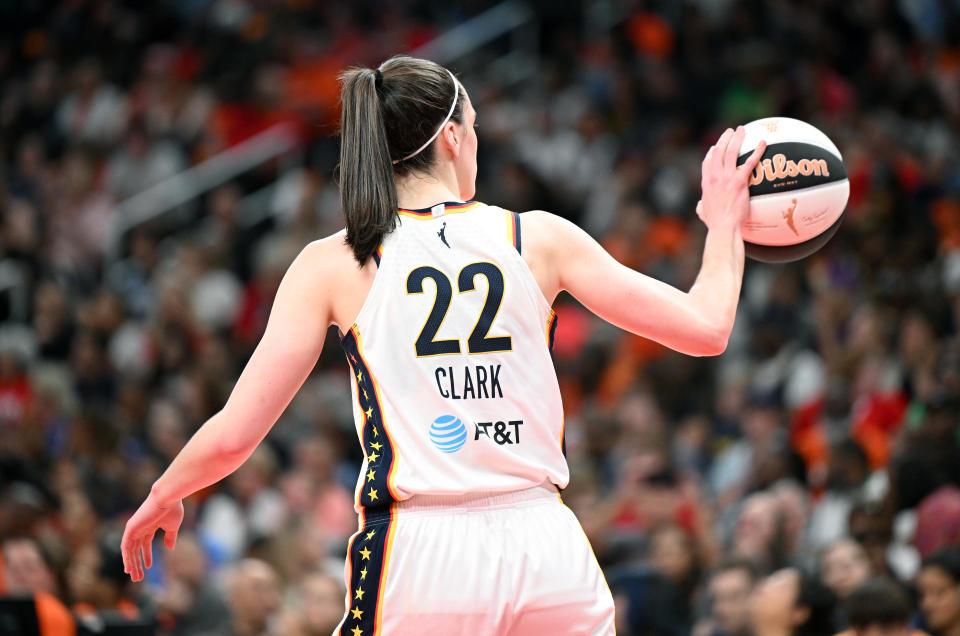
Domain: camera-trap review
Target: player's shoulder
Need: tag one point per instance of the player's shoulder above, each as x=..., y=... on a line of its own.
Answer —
x=329, y=250
x=546, y=232
x=542, y=219
x=330, y=256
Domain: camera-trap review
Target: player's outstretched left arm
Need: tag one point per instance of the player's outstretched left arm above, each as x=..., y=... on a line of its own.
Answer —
x=278, y=367
x=697, y=322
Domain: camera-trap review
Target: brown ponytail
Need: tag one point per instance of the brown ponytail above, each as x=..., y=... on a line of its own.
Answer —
x=382, y=121
x=368, y=194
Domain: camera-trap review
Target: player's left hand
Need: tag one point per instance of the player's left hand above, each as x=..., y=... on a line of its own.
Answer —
x=138, y=535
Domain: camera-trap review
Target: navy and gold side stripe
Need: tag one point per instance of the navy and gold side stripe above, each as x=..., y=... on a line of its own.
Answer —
x=378, y=447
x=377, y=255
x=513, y=229
x=551, y=329
x=368, y=556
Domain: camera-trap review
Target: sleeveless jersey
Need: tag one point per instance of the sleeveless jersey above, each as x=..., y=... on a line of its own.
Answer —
x=454, y=389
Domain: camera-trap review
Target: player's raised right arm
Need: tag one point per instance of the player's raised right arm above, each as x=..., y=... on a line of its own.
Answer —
x=697, y=322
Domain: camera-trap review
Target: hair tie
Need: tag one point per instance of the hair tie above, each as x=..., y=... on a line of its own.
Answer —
x=378, y=79
x=453, y=106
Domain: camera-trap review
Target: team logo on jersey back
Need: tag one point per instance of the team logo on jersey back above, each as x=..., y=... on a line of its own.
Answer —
x=448, y=433
x=442, y=235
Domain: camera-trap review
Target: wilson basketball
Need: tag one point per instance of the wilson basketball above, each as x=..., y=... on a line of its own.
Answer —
x=798, y=191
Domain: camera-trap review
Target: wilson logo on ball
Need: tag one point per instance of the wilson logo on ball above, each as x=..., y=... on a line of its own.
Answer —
x=792, y=165
x=779, y=167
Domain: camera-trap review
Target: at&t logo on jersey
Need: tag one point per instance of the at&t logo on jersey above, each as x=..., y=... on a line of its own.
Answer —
x=448, y=433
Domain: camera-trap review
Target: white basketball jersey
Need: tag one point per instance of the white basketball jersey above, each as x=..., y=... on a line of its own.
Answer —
x=454, y=388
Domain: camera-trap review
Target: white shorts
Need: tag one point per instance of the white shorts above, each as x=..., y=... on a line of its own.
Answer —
x=511, y=564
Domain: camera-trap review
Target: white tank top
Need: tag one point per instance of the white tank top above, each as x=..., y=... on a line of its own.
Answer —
x=454, y=389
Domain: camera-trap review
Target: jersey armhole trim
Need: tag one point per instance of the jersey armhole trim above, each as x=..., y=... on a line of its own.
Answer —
x=513, y=229
x=551, y=329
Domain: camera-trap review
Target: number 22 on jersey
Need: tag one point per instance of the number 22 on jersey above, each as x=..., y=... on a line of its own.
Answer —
x=478, y=341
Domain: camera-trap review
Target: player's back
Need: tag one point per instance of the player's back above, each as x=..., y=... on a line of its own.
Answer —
x=454, y=388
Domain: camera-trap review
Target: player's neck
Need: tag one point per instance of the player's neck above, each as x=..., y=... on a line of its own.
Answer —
x=417, y=191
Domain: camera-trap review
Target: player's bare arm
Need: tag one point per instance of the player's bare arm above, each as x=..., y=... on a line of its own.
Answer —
x=277, y=368
x=698, y=322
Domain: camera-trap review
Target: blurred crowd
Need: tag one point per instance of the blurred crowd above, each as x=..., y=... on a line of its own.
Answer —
x=807, y=481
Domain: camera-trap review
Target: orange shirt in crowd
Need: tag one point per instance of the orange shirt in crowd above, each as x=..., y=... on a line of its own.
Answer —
x=54, y=618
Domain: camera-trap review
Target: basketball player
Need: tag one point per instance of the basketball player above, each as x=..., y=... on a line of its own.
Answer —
x=443, y=304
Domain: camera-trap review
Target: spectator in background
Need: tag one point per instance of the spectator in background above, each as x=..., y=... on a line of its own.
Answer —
x=141, y=162
x=729, y=590
x=94, y=111
x=879, y=608
x=871, y=525
x=24, y=571
x=760, y=535
x=674, y=555
x=254, y=510
x=742, y=466
x=189, y=602
x=938, y=520
x=101, y=592
x=315, y=607
x=847, y=473
x=789, y=603
x=254, y=596
x=844, y=567
x=939, y=586
x=80, y=222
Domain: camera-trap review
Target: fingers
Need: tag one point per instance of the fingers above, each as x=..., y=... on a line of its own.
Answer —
x=125, y=553
x=751, y=163
x=733, y=148
x=131, y=556
x=137, y=573
x=721, y=148
x=147, y=549
x=132, y=550
x=170, y=538
x=131, y=563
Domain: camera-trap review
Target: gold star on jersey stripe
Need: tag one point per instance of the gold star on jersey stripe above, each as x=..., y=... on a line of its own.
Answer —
x=360, y=376
x=375, y=433
x=365, y=554
x=357, y=631
x=358, y=593
x=369, y=411
x=365, y=396
x=363, y=574
x=370, y=534
x=357, y=613
x=371, y=474
x=376, y=446
x=372, y=494
x=372, y=457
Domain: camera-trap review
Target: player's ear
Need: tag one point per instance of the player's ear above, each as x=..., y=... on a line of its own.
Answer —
x=453, y=138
